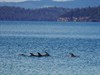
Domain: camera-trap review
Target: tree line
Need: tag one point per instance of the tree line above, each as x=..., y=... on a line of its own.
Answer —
x=47, y=14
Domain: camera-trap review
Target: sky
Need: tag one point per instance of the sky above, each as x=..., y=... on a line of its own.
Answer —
x=32, y=0
x=46, y=0
x=50, y=3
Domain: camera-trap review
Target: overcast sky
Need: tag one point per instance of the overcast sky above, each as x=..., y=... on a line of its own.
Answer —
x=46, y=0
x=51, y=3
x=31, y=0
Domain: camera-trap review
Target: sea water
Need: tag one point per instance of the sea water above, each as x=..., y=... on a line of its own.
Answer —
x=58, y=39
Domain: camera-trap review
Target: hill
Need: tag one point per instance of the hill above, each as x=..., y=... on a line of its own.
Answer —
x=82, y=14
x=49, y=14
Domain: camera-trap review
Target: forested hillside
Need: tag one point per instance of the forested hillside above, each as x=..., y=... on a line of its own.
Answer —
x=83, y=14
x=49, y=14
x=16, y=13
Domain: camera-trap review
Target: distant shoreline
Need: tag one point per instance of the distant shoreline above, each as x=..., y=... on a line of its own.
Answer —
x=45, y=21
x=59, y=14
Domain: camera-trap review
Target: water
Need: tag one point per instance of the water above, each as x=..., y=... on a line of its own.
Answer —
x=58, y=39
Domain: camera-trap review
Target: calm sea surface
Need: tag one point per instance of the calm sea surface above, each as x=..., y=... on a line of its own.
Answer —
x=51, y=29
x=56, y=38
